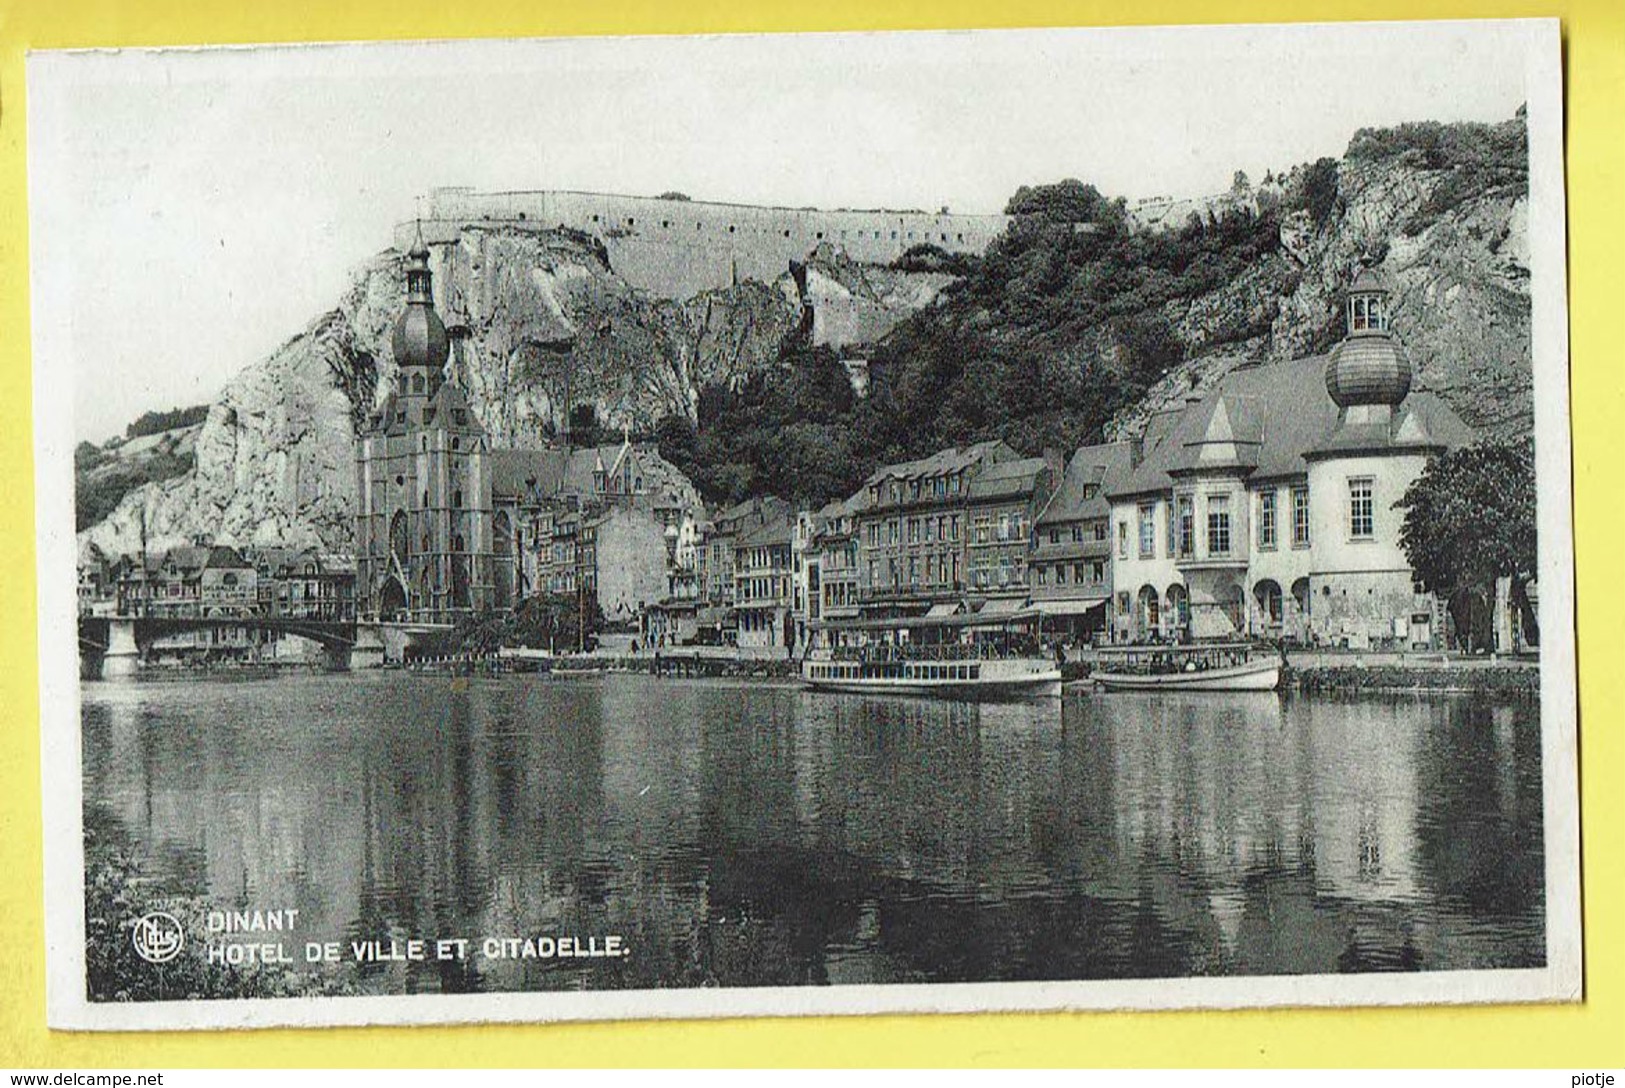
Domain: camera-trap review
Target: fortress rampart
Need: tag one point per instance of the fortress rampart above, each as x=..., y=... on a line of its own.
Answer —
x=678, y=248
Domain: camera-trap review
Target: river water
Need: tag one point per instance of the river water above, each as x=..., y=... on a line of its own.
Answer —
x=751, y=834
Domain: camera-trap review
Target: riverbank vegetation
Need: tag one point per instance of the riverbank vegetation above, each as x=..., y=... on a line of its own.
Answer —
x=118, y=891
x=559, y=622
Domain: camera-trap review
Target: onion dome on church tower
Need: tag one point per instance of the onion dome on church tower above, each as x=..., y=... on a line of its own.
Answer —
x=1369, y=367
x=420, y=339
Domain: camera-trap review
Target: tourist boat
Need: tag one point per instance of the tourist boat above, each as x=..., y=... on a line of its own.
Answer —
x=967, y=678
x=1223, y=666
x=955, y=655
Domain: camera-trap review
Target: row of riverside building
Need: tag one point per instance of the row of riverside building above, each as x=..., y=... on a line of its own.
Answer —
x=218, y=582
x=1263, y=507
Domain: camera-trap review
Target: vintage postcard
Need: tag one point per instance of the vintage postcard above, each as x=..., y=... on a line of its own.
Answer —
x=841, y=523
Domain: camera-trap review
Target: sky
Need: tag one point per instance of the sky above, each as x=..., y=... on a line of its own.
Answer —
x=191, y=210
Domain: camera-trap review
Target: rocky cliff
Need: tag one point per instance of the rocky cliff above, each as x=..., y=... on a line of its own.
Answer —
x=1439, y=211
x=548, y=323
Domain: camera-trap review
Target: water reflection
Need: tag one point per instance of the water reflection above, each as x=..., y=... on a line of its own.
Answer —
x=761, y=835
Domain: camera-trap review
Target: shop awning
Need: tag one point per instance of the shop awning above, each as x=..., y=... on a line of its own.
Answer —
x=1067, y=608
x=1001, y=606
x=943, y=608
x=977, y=619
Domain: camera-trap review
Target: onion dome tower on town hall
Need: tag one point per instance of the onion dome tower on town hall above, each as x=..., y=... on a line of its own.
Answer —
x=1369, y=372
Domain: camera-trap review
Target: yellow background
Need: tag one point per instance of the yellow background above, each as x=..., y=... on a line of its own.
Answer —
x=1587, y=1035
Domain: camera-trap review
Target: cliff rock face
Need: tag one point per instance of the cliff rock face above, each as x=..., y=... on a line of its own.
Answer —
x=273, y=461
x=1441, y=214
x=548, y=323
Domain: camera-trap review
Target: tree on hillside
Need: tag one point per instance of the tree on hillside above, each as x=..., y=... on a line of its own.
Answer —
x=1152, y=345
x=1069, y=201
x=159, y=422
x=1470, y=524
x=1318, y=192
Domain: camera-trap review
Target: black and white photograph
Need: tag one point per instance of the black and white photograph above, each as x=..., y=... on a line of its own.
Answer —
x=811, y=523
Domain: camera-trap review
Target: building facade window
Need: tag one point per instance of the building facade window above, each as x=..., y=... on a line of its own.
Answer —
x=1122, y=540
x=1300, y=516
x=1266, y=519
x=1361, y=520
x=1218, y=525
x=1187, y=527
x=1148, y=531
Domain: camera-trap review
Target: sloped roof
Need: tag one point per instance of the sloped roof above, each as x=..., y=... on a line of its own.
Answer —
x=556, y=470
x=443, y=406
x=941, y=463
x=753, y=512
x=1092, y=471
x=949, y=460
x=383, y=420
x=187, y=557
x=775, y=530
x=1007, y=478
x=1265, y=418
x=224, y=557
x=512, y=471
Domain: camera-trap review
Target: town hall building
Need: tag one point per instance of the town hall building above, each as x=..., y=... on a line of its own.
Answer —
x=1266, y=507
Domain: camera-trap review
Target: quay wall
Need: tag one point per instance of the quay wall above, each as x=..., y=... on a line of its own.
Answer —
x=1510, y=679
x=679, y=248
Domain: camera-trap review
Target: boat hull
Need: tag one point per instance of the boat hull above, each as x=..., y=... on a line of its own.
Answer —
x=1006, y=678
x=1252, y=676
x=1037, y=686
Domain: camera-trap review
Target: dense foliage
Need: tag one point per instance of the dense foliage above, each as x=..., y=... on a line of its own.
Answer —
x=102, y=479
x=562, y=622
x=1060, y=326
x=1476, y=160
x=1470, y=520
x=927, y=257
x=117, y=893
x=159, y=422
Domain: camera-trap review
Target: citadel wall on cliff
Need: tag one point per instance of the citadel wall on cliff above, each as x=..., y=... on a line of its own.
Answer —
x=678, y=248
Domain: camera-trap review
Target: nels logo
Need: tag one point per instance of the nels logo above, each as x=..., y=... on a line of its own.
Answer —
x=158, y=937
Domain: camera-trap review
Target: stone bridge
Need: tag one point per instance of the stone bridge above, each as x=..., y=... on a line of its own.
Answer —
x=112, y=646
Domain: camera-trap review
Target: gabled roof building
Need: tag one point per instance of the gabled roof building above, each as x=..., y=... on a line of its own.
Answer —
x=1266, y=507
